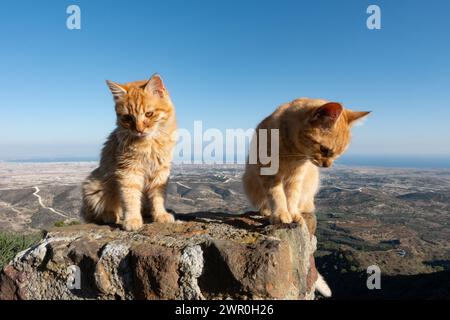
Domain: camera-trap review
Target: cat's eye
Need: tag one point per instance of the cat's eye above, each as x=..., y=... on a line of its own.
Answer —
x=149, y=114
x=326, y=151
x=126, y=118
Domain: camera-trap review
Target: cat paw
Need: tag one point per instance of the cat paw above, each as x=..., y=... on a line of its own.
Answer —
x=265, y=212
x=164, y=218
x=297, y=217
x=281, y=217
x=132, y=224
x=110, y=219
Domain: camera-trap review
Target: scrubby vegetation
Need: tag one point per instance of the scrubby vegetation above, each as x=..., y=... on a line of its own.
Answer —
x=11, y=244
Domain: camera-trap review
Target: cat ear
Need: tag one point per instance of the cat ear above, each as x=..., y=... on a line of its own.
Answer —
x=328, y=114
x=353, y=116
x=156, y=86
x=117, y=90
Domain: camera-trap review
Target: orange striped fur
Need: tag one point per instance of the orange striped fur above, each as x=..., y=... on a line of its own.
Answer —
x=313, y=133
x=136, y=158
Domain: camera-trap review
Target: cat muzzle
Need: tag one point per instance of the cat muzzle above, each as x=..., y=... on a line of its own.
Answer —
x=326, y=164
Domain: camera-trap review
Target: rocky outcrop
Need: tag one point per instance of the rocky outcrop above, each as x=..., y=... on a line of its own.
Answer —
x=202, y=256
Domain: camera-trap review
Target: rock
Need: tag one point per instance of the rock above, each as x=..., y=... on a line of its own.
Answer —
x=155, y=271
x=202, y=256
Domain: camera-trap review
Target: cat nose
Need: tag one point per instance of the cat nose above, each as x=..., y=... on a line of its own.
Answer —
x=140, y=128
x=326, y=164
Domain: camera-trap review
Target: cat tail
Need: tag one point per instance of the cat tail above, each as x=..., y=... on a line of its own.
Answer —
x=254, y=192
x=322, y=286
x=93, y=200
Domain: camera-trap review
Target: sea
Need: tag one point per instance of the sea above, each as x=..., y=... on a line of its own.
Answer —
x=388, y=161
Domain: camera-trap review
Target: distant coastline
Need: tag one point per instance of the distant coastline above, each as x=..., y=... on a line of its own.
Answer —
x=52, y=159
x=413, y=162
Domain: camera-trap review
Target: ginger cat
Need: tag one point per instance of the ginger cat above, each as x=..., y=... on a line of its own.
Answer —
x=312, y=134
x=136, y=158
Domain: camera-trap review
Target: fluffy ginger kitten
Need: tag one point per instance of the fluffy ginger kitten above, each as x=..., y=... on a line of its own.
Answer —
x=136, y=158
x=312, y=134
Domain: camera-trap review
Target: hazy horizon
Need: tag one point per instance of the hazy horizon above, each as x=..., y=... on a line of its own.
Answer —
x=399, y=161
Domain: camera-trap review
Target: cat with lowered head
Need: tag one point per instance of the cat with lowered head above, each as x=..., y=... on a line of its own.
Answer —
x=312, y=134
x=136, y=158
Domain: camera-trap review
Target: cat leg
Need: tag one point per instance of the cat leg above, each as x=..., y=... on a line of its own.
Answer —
x=112, y=209
x=110, y=217
x=265, y=210
x=278, y=201
x=255, y=192
x=292, y=190
x=260, y=199
x=156, y=193
x=130, y=195
x=306, y=206
x=159, y=213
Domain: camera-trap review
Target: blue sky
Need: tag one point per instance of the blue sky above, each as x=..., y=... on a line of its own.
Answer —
x=227, y=63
